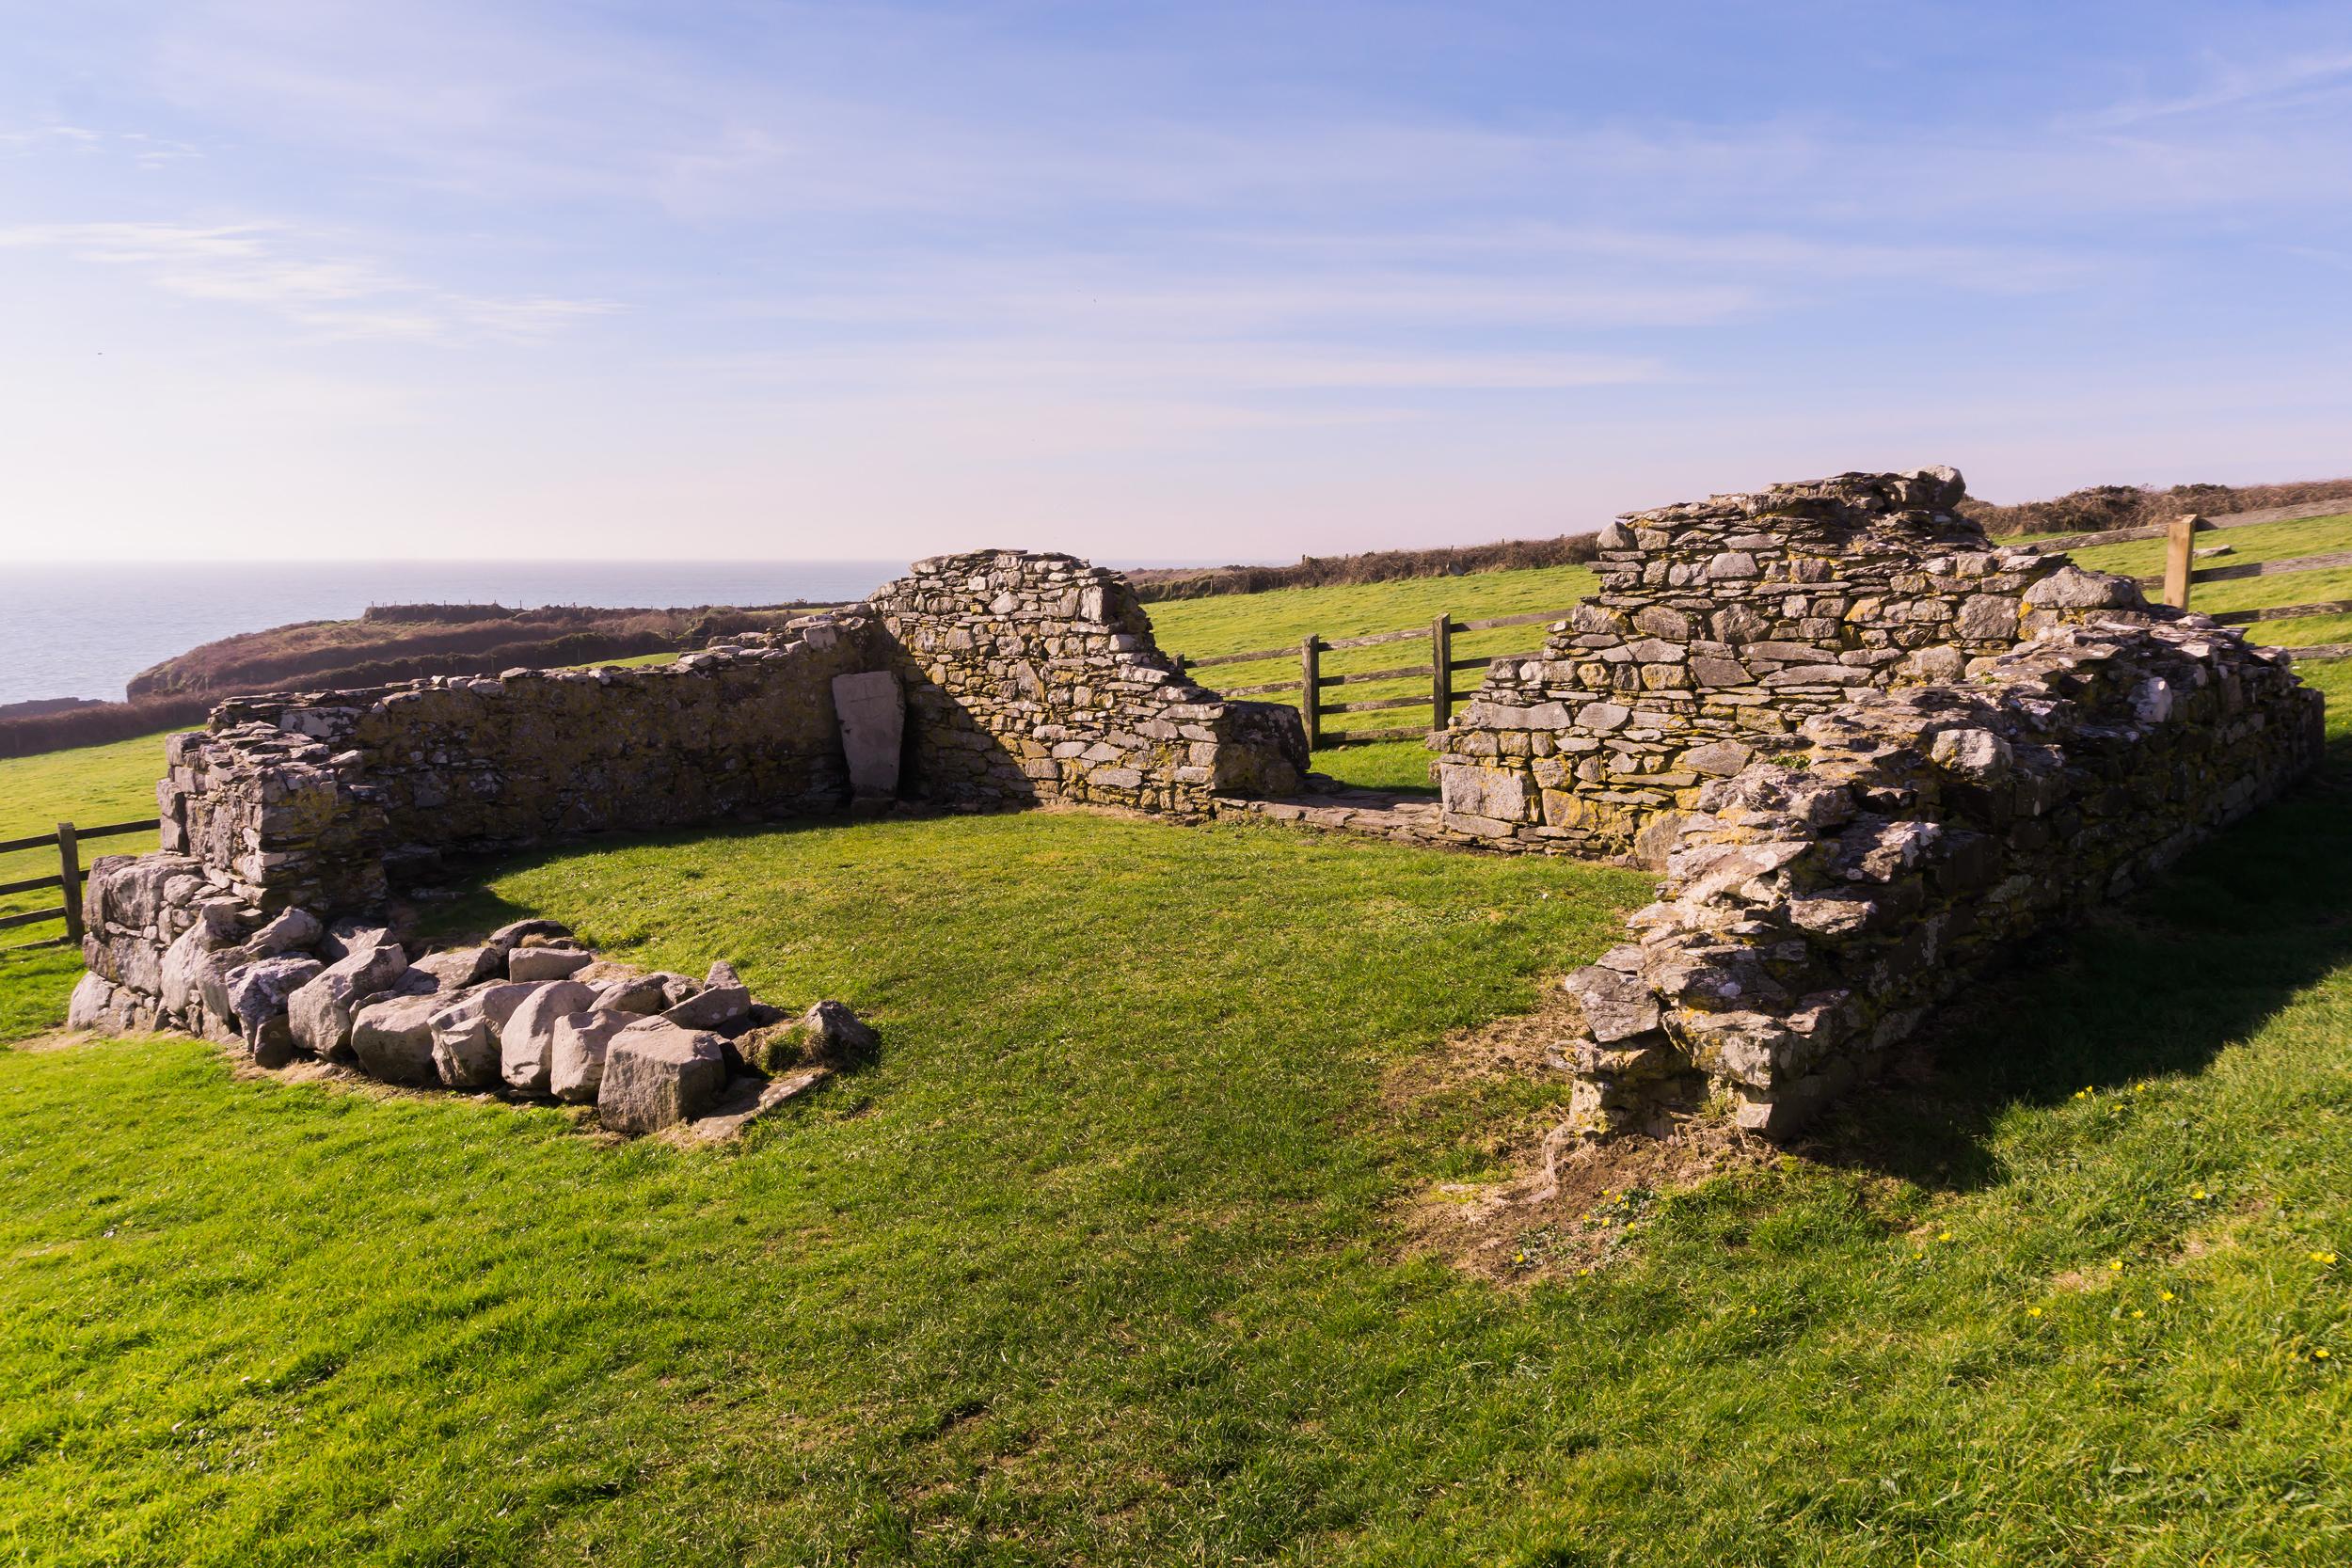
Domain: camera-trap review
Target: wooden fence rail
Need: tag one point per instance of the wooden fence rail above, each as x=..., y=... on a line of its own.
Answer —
x=2181, y=574
x=66, y=878
x=1441, y=669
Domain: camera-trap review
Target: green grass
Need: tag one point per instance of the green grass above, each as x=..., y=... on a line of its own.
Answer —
x=89, y=785
x=1099, y=1262
x=1243, y=623
x=2263, y=542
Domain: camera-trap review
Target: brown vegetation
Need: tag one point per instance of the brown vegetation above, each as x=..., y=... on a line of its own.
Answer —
x=404, y=642
x=2101, y=507
x=390, y=642
x=1154, y=584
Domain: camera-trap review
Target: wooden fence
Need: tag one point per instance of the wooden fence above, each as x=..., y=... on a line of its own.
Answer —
x=1311, y=681
x=67, y=878
x=2182, y=574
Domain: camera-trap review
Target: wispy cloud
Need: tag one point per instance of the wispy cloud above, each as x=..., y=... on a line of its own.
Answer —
x=279, y=269
x=2270, y=84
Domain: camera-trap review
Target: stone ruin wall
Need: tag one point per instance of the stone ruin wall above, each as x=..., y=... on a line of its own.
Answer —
x=1721, y=627
x=1035, y=678
x=1813, y=914
x=1026, y=678
x=327, y=799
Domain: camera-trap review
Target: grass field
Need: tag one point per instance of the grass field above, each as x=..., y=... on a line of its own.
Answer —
x=1101, y=1262
x=89, y=785
x=2263, y=542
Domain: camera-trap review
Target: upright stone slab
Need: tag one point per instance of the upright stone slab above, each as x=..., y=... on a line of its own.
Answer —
x=872, y=714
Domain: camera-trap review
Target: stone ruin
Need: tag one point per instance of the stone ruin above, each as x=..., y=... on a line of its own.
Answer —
x=1721, y=627
x=986, y=680
x=1871, y=750
x=1868, y=749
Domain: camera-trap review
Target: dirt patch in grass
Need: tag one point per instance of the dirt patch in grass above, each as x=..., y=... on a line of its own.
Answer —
x=1568, y=1206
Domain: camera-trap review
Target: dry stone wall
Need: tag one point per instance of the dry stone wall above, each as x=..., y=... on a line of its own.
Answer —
x=1721, y=627
x=326, y=799
x=1035, y=678
x=1818, y=903
x=992, y=679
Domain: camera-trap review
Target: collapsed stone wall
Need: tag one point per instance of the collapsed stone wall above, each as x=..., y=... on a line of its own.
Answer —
x=1721, y=627
x=1035, y=678
x=326, y=800
x=1819, y=902
x=1023, y=678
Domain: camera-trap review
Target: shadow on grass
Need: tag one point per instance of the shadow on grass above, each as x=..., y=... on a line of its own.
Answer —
x=2159, y=984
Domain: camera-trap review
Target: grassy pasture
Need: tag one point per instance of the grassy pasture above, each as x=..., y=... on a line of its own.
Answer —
x=1102, y=1261
x=1099, y=1263
x=2262, y=542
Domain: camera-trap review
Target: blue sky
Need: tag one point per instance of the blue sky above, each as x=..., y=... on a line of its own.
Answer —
x=1142, y=281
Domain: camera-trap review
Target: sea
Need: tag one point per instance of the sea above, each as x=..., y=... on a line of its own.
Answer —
x=83, y=631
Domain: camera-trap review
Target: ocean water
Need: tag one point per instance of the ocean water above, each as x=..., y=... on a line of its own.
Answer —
x=83, y=631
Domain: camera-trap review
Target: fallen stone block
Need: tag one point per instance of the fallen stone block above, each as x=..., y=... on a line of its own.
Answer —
x=460, y=967
x=392, y=1040
x=320, y=1013
x=545, y=963
x=465, y=1031
x=575, y=1061
x=527, y=1043
x=657, y=1074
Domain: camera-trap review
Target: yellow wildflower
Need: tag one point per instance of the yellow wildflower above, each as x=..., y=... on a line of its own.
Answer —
x=2163, y=1295
x=2033, y=1312
x=2115, y=1265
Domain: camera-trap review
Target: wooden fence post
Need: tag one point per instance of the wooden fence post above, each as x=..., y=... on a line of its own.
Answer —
x=2178, y=552
x=1442, y=660
x=1310, y=698
x=70, y=874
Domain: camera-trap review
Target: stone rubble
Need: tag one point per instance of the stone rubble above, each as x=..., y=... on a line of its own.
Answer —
x=1818, y=903
x=458, y=1018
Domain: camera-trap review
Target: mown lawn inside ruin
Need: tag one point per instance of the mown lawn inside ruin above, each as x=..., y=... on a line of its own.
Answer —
x=1101, y=1262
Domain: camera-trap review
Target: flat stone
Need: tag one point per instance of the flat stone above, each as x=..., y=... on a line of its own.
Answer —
x=871, y=712
x=545, y=963
x=712, y=1008
x=460, y=967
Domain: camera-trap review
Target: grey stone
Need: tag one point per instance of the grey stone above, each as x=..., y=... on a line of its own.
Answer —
x=2072, y=588
x=352, y=934
x=1489, y=792
x=644, y=994
x=657, y=1074
x=527, y=1042
x=507, y=938
x=1721, y=759
x=392, y=1038
x=465, y=1034
x=258, y=994
x=872, y=714
x=576, y=1062
x=321, y=1012
x=718, y=1006
x=459, y=967
x=292, y=930
x=545, y=963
